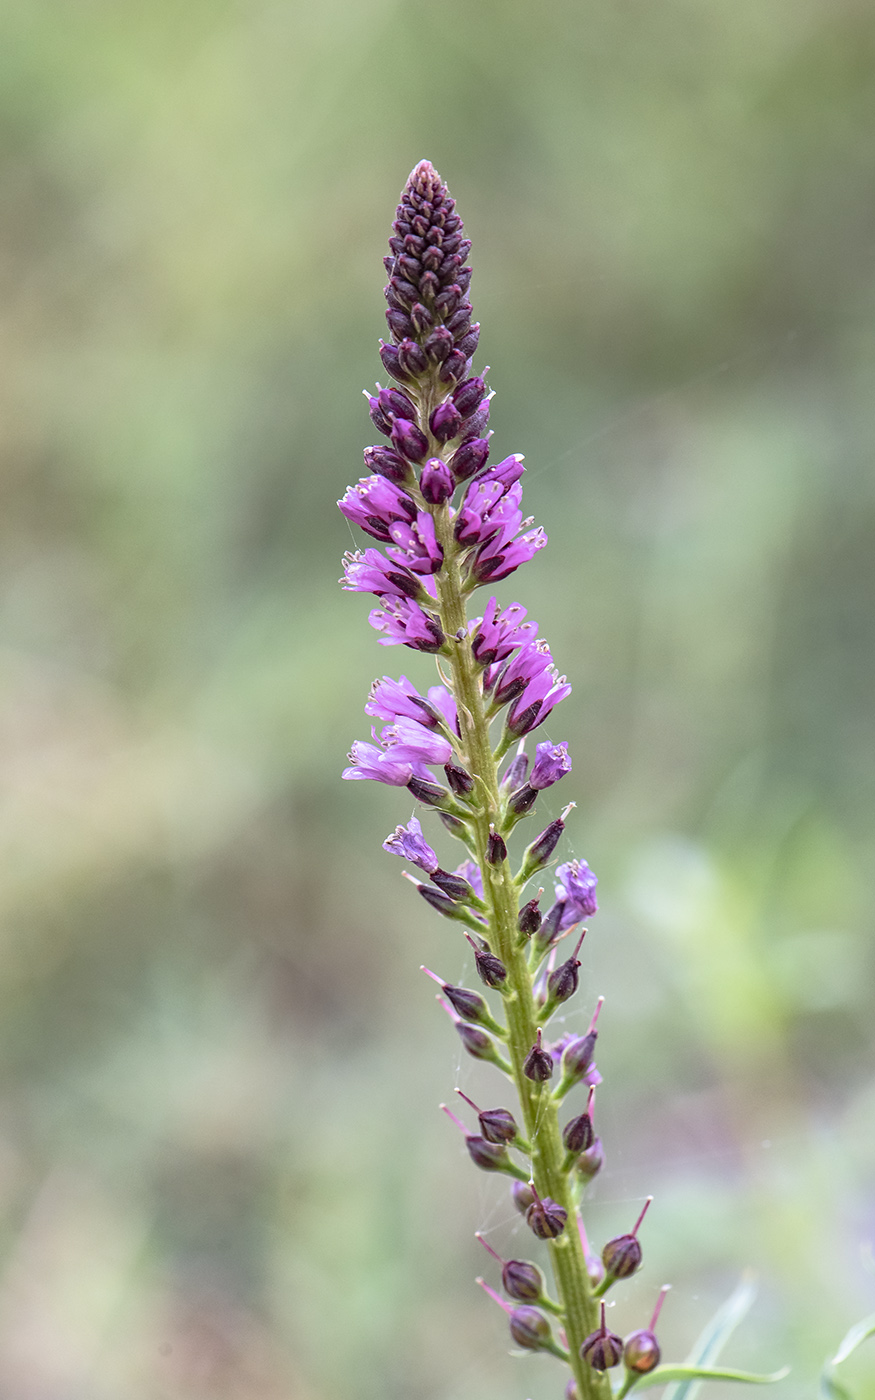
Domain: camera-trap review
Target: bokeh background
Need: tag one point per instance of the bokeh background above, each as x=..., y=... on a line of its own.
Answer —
x=222, y=1171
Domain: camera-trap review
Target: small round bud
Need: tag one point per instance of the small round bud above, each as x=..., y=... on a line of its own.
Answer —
x=529, y=920
x=435, y=482
x=641, y=1352
x=411, y=358
x=522, y=1280
x=590, y=1162
x=409, y=440
x=522, y=1196
x=538, y=1064
x=488, y=1156
x=579, y=1133
x=469, y=1005
x=546, y=1219
x=602, y=1349
x=445, y=422
x=479, y=1045
x=496, y=850
x=622, y=1256
x=530, y=1329
x=468, y=395
x=578, y=1054
x=496, y=1124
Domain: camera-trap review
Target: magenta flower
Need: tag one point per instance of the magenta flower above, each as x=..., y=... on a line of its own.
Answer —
x=538, y=700
x=390, y=700
x=407, y=624
x=416, y=545
x=575, y=890
x=370, y=762
x=375, y=504
x=552, y=762
x=409, y=843
x=495, y=560
x=372, y=572
x=496, y=636
x=407, y=739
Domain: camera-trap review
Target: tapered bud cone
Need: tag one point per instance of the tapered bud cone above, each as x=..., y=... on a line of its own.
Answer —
x=577, y=1055
x=453, y=885
x=522, y=1196
x=602, y=1349
x=546, y=1219
x=563, y=983
x=468, y=395
x=522, y=1280
x=579, y=1134
x=491, y=970
x=530, y=1329
x=479, y=1045
x=469, y=1005
x=622, y=1256
x=538, y=1064
x=498, y=1125
x=641, y=1352
x=529, y=920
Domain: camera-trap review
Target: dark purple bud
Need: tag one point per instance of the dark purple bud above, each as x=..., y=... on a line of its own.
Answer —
x=496, y=1124
x=432, y=794
x=438, y=900
x=522, y=1196
x=496, y=850
x=479, y=1045
x=536, y=856
x=529, y=920
x=590, y=1162
x=463, y=280
x=578, y=1134
x=467, y=1004
x=453, y=885
x=491, y=970
x=412, y=358
x=468, y=344
x=409, y=440
x=397, y=405
x=468, y=459
x=460, y=320
x=421, y=317
x=538, y=1064
x=516, y=770
x=546, y=1219
x=454, y=366
x=446, y=302
x=445, y=422
x=387, y=463
x=622, y=1256
x=468, y=395
x=454, y=826
x=392, y=362
x=380, y=420
x=641, y=1352
x=476, y=425
x=488, y=1156
x=549, y=925
x=436, y=482
x=522, y=801
x=399, y=324
x=438, y=345
x=429, y=285
x=400, y=293
x=522, y=1280
x=563, y=983
x=602, y=1348
x=530, y=1329
x=459, y=780
x=578, y=1054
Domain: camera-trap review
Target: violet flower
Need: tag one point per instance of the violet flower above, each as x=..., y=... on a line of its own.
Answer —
x=409, y=843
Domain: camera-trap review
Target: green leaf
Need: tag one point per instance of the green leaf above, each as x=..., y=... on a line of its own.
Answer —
x=712, y=1340
x=686, y=1375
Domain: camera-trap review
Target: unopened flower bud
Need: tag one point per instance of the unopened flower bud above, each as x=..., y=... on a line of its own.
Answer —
x=516, y=769
x=479, y=1045
x=522, y=1196
x=529, y=920
x=546, y=1219
x=468, y=395
x=522, y=800
x=396, y=404
x=496, y=850
x=459, y=780
x=455, y=826
x=438, y=344
x=392, y=362
x=538, y=854
x=522, y=1280
x=549, y=929
x=445, y=422
x=409, y=440
x=439, y=901
x=470, y=1005
x=432, y=794
x=641, y=1352
x=453, y=885
x=622, y=1256
x=577, y=1055
x=411, y=358
x=590, y=1162
x=538, y=1064
x=563, y=983
x=530, y=1329
x=496, y=1124
x=454, y=367
x=488, y=1156
x=490, y=969
x=602, y=1348
x=435, y=482
x=467, y=460
x=578, y=1134
x=386, y=462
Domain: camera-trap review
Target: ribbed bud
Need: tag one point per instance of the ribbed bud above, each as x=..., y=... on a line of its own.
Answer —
x=471, y=1006
x=546, y=1219
x=396, y=404
x=439, y=901
x=538, y=1064
x=445, y=422
x=453, y=885
x=622, y=1256
x=490, y=969
x=602, y=1349
x=529, y=918
x=409, y=440
x=563, y=983
x=392, y=363
x=430, y=793
x=438, y=345
x=518, y=766
x=468, y=459
x=530, y=1329
x=497, y=1125
x=468, y=395
x=538, y=854
x=578, y=1134
x=488, y=1156
x=479, y=1045
x=459, y=780
x=455, y=366
x=436, y=482
x=468, y=343
x=412, y=359
x=522, y=801
x=522, y=1196
x=496, y=850
x=476, y=425
x=549, y=926
x=522, y=1280
x=387, y=463
x=641, y=1352
x=454, y=826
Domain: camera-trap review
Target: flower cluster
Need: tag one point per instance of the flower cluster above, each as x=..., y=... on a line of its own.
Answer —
x=447, y=522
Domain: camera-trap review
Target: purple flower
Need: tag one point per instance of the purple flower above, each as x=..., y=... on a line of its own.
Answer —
x=489, y=509
x=408, y=739
x=507, y=471
x=375, y=504
x=495, y=636
x=387, y=463
x=575, y=889
x=416, y=546
x=442, y=700
x=551, y=763
x=391, y=699
x=408, y=842
x=435, y=481
x=538, y=700
x=409, y=440
x=407, y=624
x=529, y=663
x=497, y=559
x=370, y=762
x=471, y=872
x=371, y=572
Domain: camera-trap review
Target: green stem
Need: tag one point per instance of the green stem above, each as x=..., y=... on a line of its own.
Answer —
x=501, y=895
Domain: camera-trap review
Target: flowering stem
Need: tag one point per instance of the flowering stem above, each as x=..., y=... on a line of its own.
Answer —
x=501, y=895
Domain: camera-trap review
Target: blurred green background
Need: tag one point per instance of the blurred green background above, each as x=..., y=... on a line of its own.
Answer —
x=222, y=1172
